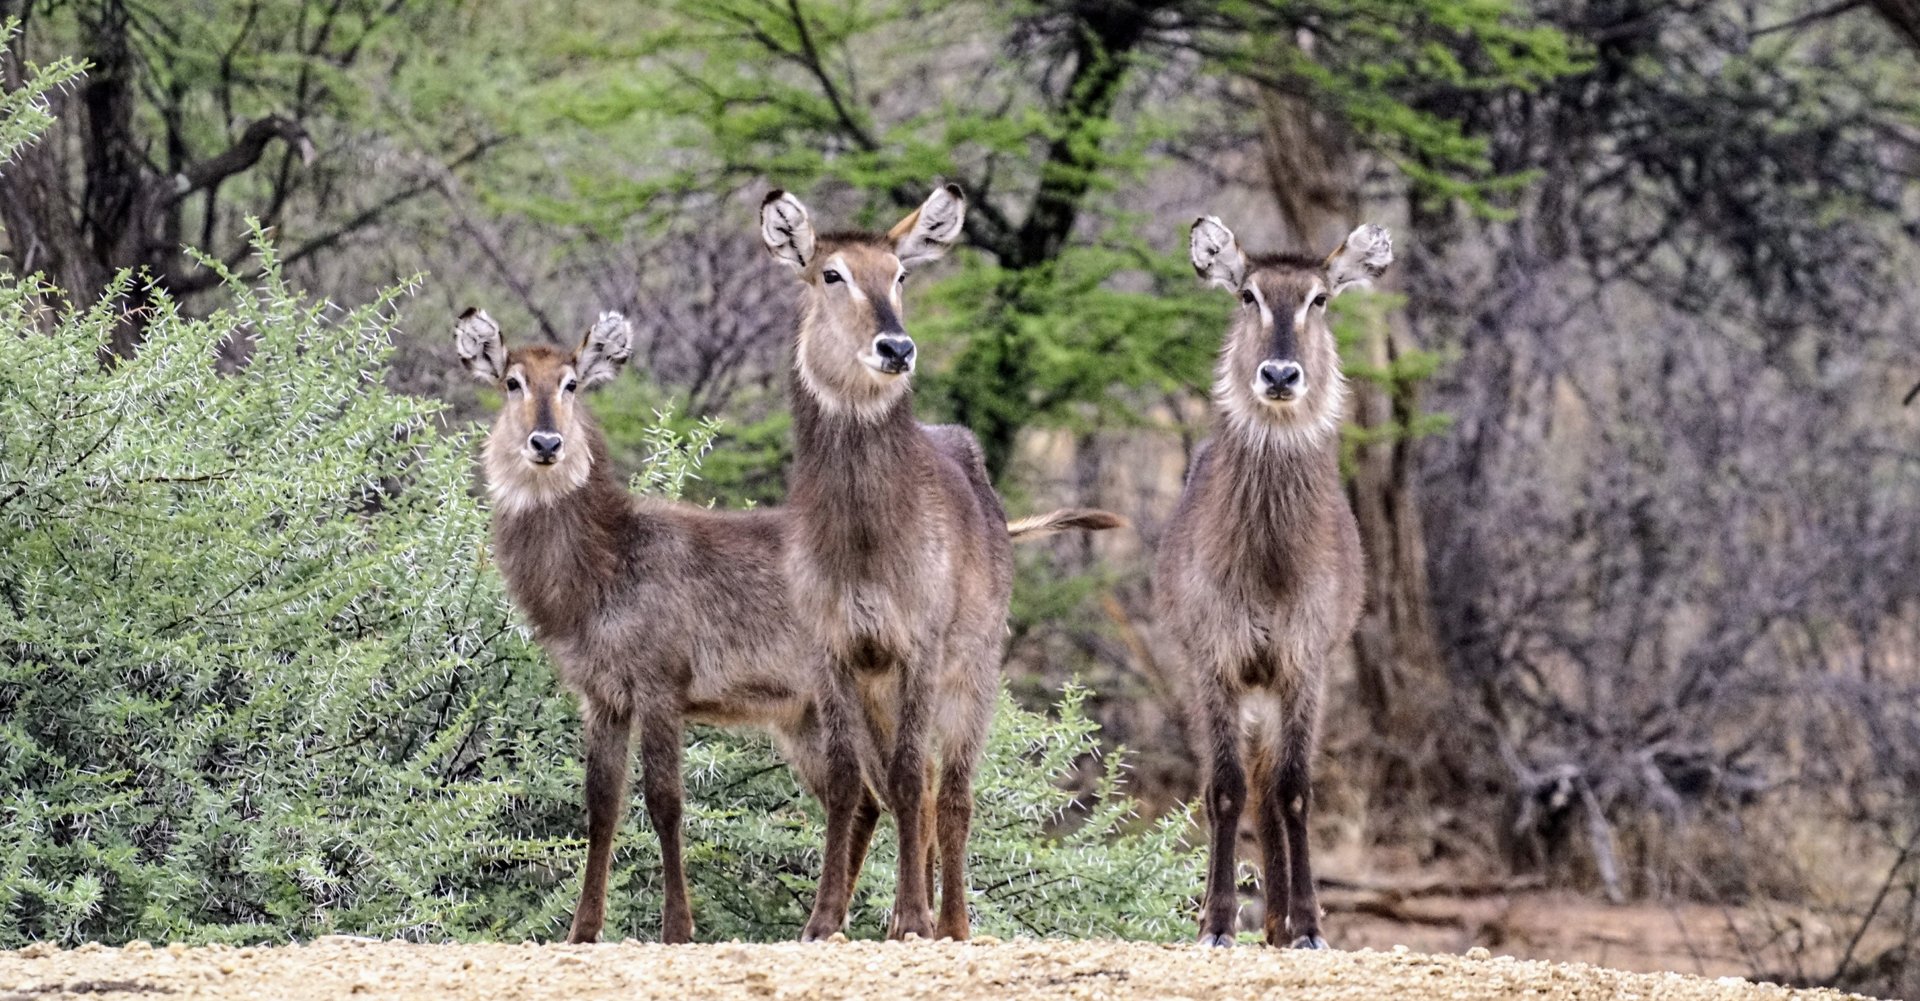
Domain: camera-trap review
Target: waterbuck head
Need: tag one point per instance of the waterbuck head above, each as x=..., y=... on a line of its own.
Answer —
x=854, y=353
x=1279, y=371
x=538, y=450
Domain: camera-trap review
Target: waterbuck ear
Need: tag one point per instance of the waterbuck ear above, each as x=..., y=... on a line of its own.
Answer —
x=606, y=348
x=929, y=230
x=1362, y=258
x=477, y=338
x=786, y=229
x=1215, y=253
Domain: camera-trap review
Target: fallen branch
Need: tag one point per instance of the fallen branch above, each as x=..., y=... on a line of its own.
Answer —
x=1437, y=886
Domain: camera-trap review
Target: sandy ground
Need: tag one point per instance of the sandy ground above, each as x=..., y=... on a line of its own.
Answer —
x=362, y=969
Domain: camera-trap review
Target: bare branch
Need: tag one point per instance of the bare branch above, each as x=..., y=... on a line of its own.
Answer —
x=243, y=154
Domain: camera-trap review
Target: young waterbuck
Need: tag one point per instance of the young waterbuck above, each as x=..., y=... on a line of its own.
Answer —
x=1258, y=580
x=654, y=612
x=900, y=564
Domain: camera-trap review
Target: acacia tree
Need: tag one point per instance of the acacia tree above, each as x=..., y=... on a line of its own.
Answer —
x=1039, y=110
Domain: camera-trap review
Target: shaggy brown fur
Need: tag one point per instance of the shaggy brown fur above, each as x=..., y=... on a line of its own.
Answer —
x=901, y=566
x=628, y=595
x=1258, y=580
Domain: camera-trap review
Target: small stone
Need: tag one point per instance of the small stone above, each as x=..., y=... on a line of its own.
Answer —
x=177, y=949
x=138, y=945
x=838, y=937
x=1479, y=952
x=985, y=940
x=38, y=950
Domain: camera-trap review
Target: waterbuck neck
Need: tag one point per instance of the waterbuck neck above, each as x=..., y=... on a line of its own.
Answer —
x=561, y=559
x=856, y=479
x=1280, y=492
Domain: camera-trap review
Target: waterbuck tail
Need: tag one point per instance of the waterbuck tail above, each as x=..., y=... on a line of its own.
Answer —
x=1086, y=519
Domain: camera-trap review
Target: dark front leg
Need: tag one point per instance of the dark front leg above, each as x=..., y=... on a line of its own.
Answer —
x=608, y=733
x=660, y=779
x=1226, y=795
x=1295, y=794
x=954, y=821
x=906, y=798
x=842, y=798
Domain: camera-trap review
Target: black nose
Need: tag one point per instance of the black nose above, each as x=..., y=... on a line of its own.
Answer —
x=545, y=445
x=895, y=353
x=1282, y=379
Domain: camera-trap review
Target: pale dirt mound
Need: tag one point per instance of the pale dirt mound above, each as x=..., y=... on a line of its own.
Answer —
x=359, y=969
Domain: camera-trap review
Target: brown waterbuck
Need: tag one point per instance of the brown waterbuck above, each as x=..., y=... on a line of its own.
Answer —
x=900, y=563
x=1258, y=579
x=655, y=612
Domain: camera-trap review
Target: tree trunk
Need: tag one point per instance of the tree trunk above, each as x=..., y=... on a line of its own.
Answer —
x=84, y=203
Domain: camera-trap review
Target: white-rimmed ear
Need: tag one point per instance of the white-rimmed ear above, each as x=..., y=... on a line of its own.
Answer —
x=1362, y=258
x=1215, y=253
x=607, y=346
x=786, y=229
x=477, y=338
x=929, y=230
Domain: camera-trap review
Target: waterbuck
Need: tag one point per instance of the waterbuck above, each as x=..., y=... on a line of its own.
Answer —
x=900, y=563
x=654, y=612
x=1258, y=578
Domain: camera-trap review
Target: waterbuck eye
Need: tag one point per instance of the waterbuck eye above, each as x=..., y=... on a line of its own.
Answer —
x=902, y=280
x=1320, y=301
x=572, y=384
x=831, y=277
x=1246, y=296
x=513, y=385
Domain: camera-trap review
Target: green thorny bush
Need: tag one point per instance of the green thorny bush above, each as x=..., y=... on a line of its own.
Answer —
x=259, y=682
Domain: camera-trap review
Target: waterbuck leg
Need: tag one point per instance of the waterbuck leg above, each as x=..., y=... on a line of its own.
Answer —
x=845, y=791
x=1226, y=792
x=865, y=818
x=906, y=793
x=1271, y=828
x=660, y=781
x=1295, y=793
x=608, y=733
x=930, y=823
x=955, y=822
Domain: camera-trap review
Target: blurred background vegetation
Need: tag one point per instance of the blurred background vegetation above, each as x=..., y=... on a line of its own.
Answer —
x=1628, y=450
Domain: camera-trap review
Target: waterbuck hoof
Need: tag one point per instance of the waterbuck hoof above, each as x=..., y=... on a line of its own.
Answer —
x=814, y=934
x=920, y=926
x=1310, y=942
x=1216, y=941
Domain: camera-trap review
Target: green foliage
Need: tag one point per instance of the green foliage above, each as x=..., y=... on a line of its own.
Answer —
x=1047, y=326
x=257, y=681
x=1042, y=862
x=740, y=462
x=251, y=683
x=23, y=110
x=1060, y=343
